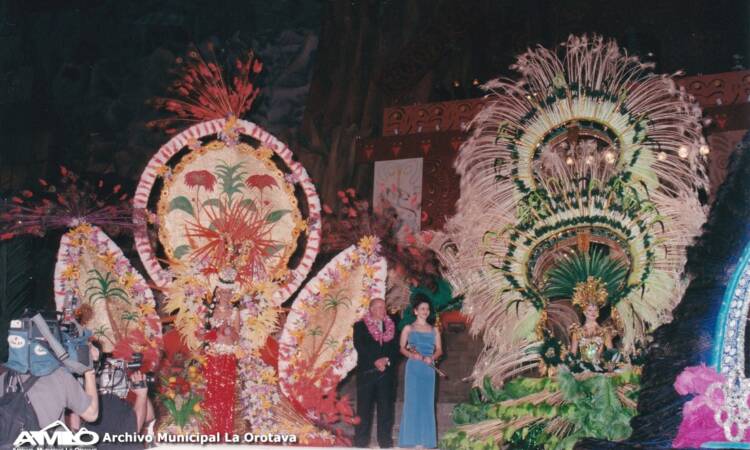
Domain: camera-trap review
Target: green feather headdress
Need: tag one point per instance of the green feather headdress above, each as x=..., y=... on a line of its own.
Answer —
x=571, y=271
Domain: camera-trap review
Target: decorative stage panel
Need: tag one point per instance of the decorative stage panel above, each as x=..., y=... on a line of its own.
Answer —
x=398, y=184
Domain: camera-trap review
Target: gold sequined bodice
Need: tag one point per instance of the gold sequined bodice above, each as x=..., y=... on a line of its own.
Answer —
x=591, y=344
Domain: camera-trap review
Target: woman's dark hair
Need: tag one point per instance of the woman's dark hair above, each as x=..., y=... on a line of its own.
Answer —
x=418, y=299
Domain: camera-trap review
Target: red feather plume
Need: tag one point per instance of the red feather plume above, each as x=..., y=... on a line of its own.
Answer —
x=203, y=90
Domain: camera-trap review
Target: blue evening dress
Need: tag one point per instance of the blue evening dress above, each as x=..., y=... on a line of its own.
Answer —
x=418, y=417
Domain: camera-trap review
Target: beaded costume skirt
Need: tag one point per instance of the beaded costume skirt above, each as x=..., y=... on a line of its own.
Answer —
x=221, y=375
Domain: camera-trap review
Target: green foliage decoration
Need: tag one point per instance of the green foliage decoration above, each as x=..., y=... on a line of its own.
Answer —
x=590, y=406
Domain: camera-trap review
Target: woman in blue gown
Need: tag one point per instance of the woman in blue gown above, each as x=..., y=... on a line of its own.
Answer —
x=420, y=342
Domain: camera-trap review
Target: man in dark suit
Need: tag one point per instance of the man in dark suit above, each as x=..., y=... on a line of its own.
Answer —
x=377, y=347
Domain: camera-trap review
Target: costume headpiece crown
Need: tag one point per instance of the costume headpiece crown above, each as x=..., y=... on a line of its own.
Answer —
x=592, y=291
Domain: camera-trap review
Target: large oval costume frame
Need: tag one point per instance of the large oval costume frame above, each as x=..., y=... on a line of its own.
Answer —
x=261, y=157
x=175, y=145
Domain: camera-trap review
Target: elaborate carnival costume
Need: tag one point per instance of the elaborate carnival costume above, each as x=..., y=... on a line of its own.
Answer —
x=230, y=195
x=579, y=184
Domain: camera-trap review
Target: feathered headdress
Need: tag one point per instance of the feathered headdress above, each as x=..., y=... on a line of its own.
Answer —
x=205, y=90
x=586, y=150
x=593, y=291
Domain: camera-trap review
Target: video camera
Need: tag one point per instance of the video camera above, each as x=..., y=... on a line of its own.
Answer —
x=39, y=343
x=112, y=375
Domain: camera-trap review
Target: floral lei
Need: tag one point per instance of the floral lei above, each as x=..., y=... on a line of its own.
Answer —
x=372, y=327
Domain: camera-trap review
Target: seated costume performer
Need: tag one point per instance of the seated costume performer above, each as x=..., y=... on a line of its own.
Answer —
x=222, y=341
x=588, y=341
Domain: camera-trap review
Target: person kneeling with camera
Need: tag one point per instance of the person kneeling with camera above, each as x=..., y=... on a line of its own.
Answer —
x=117, y=415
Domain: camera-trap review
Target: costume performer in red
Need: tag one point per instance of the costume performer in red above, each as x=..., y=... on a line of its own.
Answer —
x=221, y=361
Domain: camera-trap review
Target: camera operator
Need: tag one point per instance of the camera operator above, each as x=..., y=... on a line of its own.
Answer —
x=51, y=394
x=117, y=415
